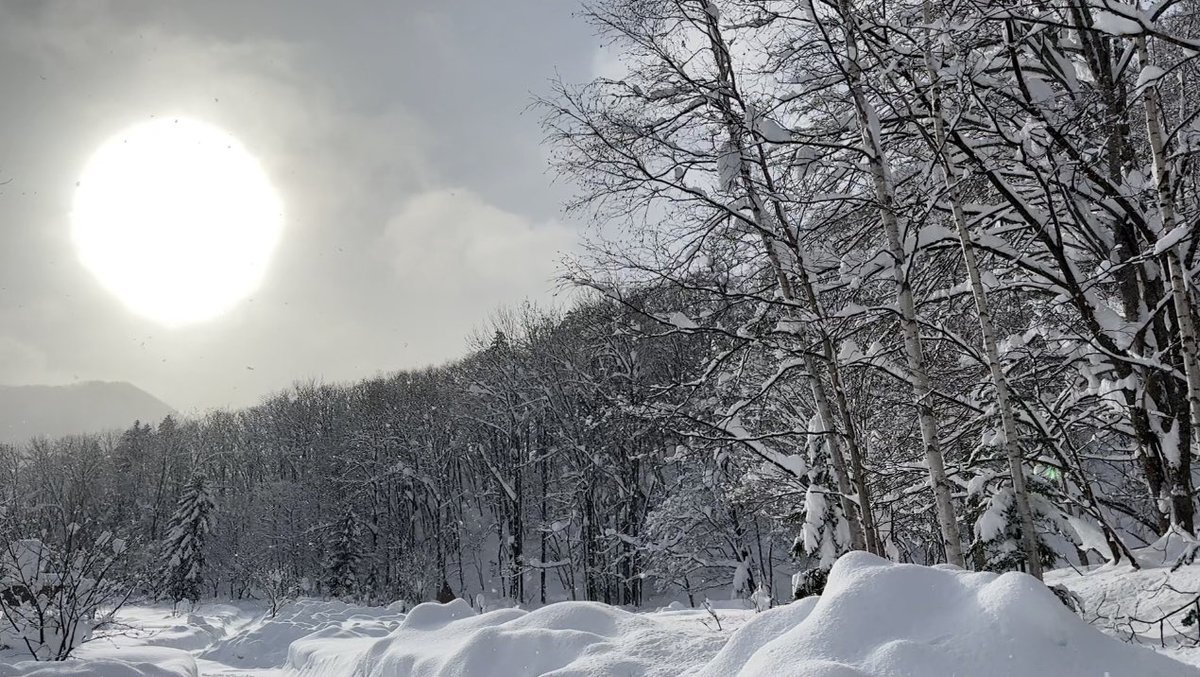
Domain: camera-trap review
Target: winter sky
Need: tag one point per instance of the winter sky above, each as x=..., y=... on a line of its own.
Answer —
x=415, y=189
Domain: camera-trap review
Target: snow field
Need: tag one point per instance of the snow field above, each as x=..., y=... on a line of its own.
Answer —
x=1149, y=605
x=875, y=619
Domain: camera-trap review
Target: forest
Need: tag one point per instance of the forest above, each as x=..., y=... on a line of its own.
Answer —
x=909, y=278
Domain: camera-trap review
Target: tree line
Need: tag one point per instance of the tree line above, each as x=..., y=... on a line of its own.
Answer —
x=521, y=473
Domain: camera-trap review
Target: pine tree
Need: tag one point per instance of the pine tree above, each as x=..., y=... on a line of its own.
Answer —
x=183, y=569
x=344, y=558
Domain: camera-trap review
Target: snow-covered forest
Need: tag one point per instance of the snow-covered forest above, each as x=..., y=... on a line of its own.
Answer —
x=914, y=278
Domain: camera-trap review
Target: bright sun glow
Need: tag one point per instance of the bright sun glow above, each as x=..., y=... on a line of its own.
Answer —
x=176, y=219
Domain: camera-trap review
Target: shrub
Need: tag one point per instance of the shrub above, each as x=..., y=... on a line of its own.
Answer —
x=52, y=599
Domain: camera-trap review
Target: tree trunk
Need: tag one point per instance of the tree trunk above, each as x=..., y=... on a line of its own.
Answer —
x=1012, y=448
x=737, y=140
x=919, y=376
x=1178, y=462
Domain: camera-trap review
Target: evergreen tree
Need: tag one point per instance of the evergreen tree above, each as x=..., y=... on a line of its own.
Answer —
x=345, y=555
x=446, y=593
x=190, y=525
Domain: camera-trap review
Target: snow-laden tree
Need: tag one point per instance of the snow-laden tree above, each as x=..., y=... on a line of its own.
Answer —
x=954, y=214
x=185, y=547
x=343, y=575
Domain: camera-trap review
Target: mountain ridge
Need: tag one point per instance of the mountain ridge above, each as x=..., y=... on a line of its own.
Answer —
x=29, y=411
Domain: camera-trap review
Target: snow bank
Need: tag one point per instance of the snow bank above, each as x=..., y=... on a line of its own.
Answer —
x=879, y=619
x=567, y=638
x=875, y=619
x=754, y=635
x=265, y=643
x=126, y=662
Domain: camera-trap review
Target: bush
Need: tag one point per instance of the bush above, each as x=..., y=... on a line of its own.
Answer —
x=277, y=586
x=52, y=599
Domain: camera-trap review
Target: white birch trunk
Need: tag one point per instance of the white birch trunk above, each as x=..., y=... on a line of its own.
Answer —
x=1175, y=272
x=737, y=134
x=918, y=375
x=951, y=175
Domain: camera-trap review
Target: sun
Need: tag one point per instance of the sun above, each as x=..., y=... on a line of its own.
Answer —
x=177, y=219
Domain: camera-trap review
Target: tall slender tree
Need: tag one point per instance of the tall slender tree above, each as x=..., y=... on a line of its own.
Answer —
x=184, y=549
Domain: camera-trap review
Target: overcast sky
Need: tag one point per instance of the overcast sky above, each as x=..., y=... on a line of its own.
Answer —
x=414, y=183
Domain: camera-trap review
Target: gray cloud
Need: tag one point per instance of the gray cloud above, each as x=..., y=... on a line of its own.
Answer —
x=394, y=132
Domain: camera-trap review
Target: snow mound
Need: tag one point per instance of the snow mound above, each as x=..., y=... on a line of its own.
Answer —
x=879, y=619
x=433, y=615
x=754, y=635
x=875, y=619
x=126, y=662
x=266, y=642
x=563, y=639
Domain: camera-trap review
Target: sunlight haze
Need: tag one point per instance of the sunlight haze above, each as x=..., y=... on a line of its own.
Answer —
x=361, y=121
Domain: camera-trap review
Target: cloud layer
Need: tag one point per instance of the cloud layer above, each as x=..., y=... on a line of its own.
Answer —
x=414, y=185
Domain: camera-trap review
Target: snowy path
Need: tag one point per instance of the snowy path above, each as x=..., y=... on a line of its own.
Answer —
x=196, y=633
x=209, y=668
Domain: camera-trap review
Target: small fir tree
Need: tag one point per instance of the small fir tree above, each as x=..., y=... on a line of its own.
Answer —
x=344, y=557
x=183, y=549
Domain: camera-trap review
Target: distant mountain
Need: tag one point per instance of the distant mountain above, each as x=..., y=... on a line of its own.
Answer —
x=91, y=406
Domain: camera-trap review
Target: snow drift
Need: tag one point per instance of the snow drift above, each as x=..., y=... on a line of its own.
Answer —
x=879, y=619
x=109, y=662
x=265, y=643
x=876, y=619
x=567, y=638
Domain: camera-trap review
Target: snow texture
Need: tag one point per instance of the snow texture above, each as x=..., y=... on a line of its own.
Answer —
x=1148, y=605
x=1169, y=240
x=127, y=662
x=1120, y=22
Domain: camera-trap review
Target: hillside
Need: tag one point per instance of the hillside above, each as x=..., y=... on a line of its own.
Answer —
x=92, y=406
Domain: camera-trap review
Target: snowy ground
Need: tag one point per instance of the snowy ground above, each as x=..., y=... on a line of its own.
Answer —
x=1149, y=605
x=875, y=619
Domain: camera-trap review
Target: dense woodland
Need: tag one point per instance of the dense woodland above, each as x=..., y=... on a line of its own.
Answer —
x=909, y=277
